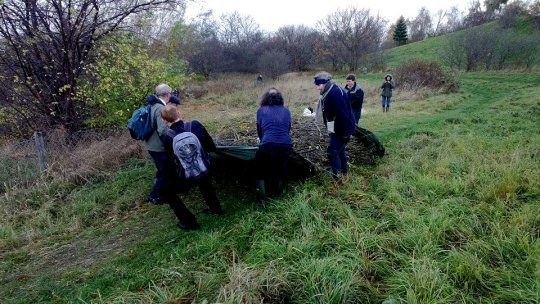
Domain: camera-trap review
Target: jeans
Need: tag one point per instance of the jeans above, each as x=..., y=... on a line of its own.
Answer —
x=385, y=102
x=336, y=154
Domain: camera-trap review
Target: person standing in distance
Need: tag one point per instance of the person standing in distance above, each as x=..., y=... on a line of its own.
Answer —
x=335, y=111
x=356, y=96
x=386, y=94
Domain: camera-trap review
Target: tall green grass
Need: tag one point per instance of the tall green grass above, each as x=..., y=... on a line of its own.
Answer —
x=449, y=215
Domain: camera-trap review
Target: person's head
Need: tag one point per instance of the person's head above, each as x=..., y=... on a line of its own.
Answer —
x=163, y=91
x=388, y=78
x=321, y=79
x=351, y=79
x=270, y=97
x=170, y=113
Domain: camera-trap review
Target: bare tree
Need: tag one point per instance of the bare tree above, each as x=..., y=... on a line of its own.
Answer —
x=299, y=43
x=494, y=6
x=476, y=15
x=207, y=57
x=46, y=46
x=236, y=29
x=454, y=20
x=479, y=47
x=438, y=27
x=388, y=41
x=421, y=26
x=273, y=63
x=241, y=38
x=453, y=52
x=511, y=12
x=352, y=33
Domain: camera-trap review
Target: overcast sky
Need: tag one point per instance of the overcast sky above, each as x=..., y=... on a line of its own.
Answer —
x=272, y=14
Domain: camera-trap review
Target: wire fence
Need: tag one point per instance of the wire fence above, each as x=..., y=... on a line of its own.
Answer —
x=67, y=156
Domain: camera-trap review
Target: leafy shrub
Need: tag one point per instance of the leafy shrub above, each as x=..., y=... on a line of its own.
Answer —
x=415, y=74
x=123, y=76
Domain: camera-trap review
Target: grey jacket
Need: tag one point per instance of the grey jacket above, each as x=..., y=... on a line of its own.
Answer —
x=154, y=142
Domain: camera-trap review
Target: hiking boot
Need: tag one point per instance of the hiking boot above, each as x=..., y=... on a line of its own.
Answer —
x=185, y=227
x=213, y=211
x=261, y=193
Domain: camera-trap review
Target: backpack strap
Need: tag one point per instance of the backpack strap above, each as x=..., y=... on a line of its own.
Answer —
x=171, y=133
x=187, y=126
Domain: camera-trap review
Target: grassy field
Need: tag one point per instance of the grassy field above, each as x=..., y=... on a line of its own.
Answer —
x=450, y=215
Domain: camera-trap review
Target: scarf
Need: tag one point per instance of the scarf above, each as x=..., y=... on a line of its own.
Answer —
x=318, y=114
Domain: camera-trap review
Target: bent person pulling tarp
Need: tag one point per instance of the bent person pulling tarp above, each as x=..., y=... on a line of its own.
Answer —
x=308, y=158
x=241, y=160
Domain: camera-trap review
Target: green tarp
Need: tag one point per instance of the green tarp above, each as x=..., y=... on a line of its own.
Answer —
x=241, y=159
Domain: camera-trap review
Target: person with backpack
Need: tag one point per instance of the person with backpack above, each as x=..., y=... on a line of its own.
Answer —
x=335, y=111
x=275, y=145
x=356, y=96
x=154, y=145
x=386, y=94
x=188, y=143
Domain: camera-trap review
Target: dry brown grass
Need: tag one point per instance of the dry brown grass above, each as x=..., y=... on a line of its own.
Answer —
x=76, y=158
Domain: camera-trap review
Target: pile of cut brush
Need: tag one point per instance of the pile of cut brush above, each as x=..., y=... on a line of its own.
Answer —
x=310, y=141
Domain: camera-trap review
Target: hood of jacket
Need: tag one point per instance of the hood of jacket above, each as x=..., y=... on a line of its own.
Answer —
x=152, y=99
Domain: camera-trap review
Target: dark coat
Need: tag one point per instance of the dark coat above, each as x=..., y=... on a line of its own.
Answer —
x=387, y=86
x=356, y=96
x=336, y=107
x=196, y=128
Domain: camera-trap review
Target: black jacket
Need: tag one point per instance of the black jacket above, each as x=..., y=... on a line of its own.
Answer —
x=356, y=96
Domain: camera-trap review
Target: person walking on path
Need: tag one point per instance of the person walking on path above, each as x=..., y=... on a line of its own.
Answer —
x=386, y=94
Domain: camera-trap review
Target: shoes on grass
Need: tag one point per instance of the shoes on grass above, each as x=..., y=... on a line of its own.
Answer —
x=185, y=227
x=212, y=211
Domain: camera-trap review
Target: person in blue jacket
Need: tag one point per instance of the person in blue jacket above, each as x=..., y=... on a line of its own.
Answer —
x=275, y=144
x=335, y=111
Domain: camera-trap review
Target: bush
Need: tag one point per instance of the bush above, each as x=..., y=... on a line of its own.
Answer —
x=414, y=74
x=123, y=76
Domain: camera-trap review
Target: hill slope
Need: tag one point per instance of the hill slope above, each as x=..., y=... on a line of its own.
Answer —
x=432, y=48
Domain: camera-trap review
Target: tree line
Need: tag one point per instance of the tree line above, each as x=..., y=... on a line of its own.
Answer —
x=73, y=64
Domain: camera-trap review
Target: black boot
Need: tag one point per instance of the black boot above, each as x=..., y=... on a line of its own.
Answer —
x=280, y=187
x=261, y=192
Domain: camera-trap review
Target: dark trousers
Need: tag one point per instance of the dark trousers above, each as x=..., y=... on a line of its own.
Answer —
x=165, y=188
x=336, y=153
x=357, y=113
x=271, y=163
x=208, y=193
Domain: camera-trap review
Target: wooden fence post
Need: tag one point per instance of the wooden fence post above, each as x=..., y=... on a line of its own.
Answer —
x=41, y=153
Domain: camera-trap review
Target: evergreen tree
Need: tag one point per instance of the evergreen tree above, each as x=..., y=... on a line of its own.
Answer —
x=400, y=34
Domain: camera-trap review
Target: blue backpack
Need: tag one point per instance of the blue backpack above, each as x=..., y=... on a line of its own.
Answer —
x=140, y=123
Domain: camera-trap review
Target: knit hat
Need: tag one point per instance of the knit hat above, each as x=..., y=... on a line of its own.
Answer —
x=175, y=100
x=322, y=78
